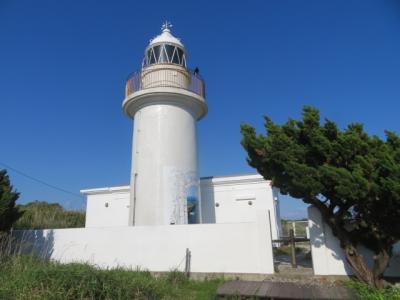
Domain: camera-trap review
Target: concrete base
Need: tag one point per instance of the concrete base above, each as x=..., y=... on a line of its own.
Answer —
x=215, y=248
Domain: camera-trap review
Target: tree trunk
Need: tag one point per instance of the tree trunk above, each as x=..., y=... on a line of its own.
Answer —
x=381, y=262
x=374, y=276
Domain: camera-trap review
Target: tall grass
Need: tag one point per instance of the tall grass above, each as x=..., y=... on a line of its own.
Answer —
x=26, y=277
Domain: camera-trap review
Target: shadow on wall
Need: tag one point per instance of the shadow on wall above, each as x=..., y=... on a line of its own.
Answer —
x=207, y=203
x=34, y=242
x=317, y=237
x=327, y=255
x=330, y=257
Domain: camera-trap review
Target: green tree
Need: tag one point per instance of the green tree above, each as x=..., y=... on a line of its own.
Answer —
x=352, y=178
x=9, y=214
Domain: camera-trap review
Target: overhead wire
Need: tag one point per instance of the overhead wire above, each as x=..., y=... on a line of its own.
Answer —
x=40, y=181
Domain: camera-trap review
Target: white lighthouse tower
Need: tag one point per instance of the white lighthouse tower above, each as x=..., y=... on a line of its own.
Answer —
x=165, y=99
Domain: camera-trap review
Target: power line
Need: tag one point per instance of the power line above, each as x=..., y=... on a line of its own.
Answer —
x=40, y=181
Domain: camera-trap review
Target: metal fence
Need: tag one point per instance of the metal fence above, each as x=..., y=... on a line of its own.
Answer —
x=299, y=228
x=137, y=81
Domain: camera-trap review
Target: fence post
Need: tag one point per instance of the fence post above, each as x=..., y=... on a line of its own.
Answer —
x=293, y=248
x=187, y=262
x=294, y=227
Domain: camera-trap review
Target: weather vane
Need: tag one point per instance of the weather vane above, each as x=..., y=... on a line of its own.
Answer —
x=166, y=26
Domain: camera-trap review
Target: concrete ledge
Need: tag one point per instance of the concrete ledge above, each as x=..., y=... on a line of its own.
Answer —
x=285, y=290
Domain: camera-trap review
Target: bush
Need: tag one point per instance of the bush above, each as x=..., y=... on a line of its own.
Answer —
x=367, y=292
x=43, y=215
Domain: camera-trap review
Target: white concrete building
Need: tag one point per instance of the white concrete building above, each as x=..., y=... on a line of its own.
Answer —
x=165, y=100
x=229, y=199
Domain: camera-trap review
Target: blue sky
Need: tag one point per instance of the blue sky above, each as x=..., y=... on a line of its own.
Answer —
x=63, y=65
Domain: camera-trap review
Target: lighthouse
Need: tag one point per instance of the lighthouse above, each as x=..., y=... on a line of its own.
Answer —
x=165, y=99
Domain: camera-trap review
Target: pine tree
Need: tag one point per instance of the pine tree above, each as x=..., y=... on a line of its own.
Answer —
x=352, y=178
x=8, y=196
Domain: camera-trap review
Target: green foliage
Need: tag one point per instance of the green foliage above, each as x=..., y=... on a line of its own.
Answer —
x=29, y=278
x=42, y=215
x=8, y=196
x=366, y=292
x=352, y=178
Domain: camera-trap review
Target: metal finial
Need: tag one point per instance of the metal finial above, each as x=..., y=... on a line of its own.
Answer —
x=166, y=26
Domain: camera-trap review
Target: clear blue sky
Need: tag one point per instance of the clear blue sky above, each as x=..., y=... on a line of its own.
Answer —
x=63, y=65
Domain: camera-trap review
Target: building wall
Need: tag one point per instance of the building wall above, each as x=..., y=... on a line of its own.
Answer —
x=245, y=247
x=229, y=199
x=237, y=199
x=327, y=255
x=108, y=207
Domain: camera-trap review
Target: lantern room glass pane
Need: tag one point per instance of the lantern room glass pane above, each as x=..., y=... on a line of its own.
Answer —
x=180, y=55
x=163, y=56
x=156, y=50
x=170, y=51
x=175, y=58
x=150, y=57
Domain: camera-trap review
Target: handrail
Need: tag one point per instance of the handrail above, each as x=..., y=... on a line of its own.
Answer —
x=135, y=82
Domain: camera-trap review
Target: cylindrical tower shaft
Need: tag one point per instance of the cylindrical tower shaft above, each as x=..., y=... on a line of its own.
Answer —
x=164, y=164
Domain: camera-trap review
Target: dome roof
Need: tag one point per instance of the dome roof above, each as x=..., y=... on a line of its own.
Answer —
x=166, y=37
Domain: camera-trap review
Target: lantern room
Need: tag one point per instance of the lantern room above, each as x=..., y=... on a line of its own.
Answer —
x=165, y=49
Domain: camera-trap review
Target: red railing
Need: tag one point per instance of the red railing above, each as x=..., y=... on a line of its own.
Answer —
x=195, y=84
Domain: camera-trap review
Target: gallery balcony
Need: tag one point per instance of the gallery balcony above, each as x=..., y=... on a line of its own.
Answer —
x=165, y=75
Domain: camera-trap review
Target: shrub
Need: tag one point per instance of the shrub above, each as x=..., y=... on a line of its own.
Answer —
x=43, y=215
x=367, y=292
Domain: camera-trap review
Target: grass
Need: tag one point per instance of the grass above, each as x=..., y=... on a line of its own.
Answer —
x=29, y=277
x=366, y=292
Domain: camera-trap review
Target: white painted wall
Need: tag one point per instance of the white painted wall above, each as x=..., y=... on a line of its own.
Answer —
x=244, y=248
x=232, y=193
x=231, y=199
x=107, y=207
x=327, y=256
